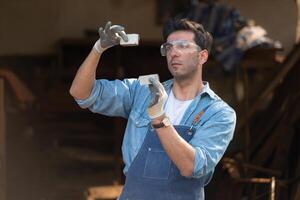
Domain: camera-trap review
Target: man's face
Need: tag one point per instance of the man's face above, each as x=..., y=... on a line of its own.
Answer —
x=183, y=55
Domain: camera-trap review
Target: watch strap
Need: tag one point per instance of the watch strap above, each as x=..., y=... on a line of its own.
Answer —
x=164, y=123
x=160, y=125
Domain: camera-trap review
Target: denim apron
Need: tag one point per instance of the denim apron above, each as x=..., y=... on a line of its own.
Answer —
x=152, y=175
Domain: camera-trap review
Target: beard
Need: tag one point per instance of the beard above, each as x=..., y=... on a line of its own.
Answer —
x=185, y=71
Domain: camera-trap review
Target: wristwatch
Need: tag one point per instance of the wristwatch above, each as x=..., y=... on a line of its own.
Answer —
x=164, y=123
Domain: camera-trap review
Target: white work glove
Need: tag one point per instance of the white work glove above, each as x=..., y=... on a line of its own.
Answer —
x=158, y=99
x=110, y=36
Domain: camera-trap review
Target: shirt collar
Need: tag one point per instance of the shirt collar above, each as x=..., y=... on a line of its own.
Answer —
x=206, y=89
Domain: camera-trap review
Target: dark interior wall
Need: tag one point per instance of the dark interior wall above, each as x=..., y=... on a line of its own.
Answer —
x=33, y=26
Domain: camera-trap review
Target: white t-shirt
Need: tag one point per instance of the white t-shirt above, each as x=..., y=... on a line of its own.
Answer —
x=175, y=108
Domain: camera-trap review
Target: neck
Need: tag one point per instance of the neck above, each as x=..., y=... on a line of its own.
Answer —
x=187, y=89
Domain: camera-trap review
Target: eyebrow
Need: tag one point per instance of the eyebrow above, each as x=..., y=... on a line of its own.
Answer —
x=178, y=40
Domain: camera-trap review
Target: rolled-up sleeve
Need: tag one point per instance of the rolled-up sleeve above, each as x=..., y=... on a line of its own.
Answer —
x=86, y=103
x=211, y=140
x=111, y=98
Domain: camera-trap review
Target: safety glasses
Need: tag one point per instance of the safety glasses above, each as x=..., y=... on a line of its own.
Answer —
x=180, y=45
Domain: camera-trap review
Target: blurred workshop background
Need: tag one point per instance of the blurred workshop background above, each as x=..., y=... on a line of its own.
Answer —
x=50, y=149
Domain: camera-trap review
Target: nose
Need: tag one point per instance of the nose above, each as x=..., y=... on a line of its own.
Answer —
x=173, y=51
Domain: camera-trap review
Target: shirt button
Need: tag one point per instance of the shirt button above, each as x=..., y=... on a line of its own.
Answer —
x=149, y=149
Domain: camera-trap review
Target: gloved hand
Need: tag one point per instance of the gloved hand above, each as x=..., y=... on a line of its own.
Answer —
x=109, y=37
x=158, y=99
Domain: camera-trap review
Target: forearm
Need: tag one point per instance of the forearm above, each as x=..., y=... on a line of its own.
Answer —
x=179, y=151
x=83, y=82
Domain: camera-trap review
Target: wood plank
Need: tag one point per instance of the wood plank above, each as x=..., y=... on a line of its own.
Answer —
x=2, y=144
x=19, y=88
x=296, y=189
x=104, y=192
x=289, y=63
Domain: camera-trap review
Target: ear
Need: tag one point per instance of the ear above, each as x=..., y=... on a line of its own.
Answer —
x=203, y=56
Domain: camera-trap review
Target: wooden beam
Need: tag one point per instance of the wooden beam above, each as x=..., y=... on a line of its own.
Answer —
x=104, y=192
x=19, y=88
x=256, y=168
x=289, y=63
x=298, y=22
x=2, y=144
x=255, y=180
x=296, y=188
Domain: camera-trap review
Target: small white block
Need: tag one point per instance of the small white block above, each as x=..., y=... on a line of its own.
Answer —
x=144, y=80
x=133, y=40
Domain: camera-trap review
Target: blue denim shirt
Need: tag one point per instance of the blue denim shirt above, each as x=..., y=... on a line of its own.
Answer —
x=129, y=99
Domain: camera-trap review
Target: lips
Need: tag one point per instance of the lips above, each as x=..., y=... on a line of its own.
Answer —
x=175, y=63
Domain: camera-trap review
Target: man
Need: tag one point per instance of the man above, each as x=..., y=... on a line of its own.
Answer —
x=176, y=131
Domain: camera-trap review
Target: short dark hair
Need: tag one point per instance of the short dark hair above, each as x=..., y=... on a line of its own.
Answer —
x=202, y=37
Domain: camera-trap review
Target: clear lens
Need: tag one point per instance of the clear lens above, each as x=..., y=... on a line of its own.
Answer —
x=180, y=45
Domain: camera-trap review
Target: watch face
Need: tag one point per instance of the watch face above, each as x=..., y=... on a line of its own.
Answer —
x=166, y=121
